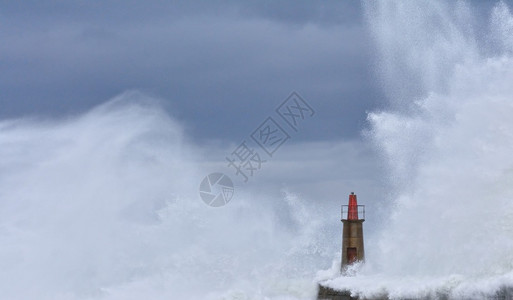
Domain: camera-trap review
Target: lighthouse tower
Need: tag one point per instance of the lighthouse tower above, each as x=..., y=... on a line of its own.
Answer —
x=353, y=216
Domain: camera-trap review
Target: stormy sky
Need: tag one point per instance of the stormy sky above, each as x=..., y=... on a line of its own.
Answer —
x=220, y=67
x=114, y=190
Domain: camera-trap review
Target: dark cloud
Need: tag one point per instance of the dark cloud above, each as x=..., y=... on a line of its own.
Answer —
x=221, y=67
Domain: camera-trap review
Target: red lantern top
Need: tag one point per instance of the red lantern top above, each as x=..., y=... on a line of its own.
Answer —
x=352, y=212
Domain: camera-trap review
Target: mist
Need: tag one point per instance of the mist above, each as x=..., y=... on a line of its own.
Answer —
x=447, y=141
x=105, y=205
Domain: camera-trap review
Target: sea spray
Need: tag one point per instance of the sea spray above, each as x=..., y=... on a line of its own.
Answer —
x=448, y=139
x=105, y=205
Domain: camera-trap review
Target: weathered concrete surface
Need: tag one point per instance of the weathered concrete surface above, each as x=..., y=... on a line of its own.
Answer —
x=326, y=293
x=352, y=237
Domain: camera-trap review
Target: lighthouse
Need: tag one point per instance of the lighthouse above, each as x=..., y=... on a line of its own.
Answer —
x=353, y=216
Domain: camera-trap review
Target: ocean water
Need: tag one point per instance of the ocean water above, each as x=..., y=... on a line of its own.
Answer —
x=447, y=136
x=105, y=205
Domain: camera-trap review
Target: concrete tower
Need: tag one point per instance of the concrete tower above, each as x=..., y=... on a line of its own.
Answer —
x=353, y=216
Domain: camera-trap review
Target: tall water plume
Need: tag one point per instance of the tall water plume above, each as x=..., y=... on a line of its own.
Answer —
x=447, y=138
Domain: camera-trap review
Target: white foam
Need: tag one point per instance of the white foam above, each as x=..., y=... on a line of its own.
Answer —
x=105, y=205
x=448, y=139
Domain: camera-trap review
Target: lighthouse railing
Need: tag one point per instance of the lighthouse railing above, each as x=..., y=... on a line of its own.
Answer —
x=360, y=210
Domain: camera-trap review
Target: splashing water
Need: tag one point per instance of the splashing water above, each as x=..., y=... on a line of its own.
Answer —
x=105, y=205
x=448, y=141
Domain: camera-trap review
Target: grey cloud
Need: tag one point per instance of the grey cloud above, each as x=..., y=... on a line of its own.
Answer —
x=222, y=66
